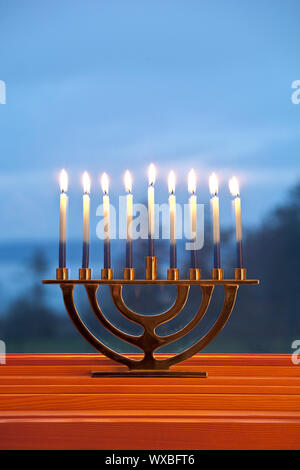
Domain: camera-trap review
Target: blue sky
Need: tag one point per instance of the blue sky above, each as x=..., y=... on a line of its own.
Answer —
x=111, y=85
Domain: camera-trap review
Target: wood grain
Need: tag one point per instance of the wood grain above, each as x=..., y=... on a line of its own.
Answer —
x=49, y=401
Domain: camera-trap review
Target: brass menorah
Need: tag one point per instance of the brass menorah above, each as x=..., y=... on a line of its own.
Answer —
x=149, y=341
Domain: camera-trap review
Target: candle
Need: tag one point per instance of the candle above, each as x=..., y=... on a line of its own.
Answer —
x=105, y=184
x=129, y=203
x=62, y=218
x=213, y=186
x=86, y=219
x=193, y=215
x=151, y=210
x=172, y=209
x=235, y=191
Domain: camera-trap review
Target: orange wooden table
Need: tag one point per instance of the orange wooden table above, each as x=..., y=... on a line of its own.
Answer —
x=49, y=401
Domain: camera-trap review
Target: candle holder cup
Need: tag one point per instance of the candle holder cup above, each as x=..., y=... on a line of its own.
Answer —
x=85, y=274
x=150, y=341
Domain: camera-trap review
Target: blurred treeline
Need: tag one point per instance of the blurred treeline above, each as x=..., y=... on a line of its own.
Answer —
x=266, y=319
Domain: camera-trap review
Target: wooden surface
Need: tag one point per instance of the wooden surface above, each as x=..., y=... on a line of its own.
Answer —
x=49, y=401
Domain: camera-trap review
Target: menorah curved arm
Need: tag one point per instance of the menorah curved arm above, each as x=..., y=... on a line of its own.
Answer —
x=229, y=301
x=154, y=320
x=67, y=290
x=91, y=290
x=205, y=301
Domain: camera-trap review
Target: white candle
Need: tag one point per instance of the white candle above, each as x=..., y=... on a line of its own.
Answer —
x=193, y=213
x=172, y=209
x=213, y=186
x=151, y=210
x=62, y=218
x=86, y=219
x=129, y=208
x=235, y=191
x=106, y=215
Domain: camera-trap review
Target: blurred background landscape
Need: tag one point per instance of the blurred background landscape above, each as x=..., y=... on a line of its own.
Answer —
x=265, y=319
x=106, y=86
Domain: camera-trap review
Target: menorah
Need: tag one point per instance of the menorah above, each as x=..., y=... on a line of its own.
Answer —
x=149, y=341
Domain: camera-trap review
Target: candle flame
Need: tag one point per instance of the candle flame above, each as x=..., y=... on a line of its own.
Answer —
x=151, y=174
x=171, y=182
x=234, y=187
x=213, y=184
x=192, y=182
x=128, y=181
x=63, y=181
x=105, y=183
x=86, y=181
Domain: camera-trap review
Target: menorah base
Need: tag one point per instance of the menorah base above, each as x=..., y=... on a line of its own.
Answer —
x=148, y=373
